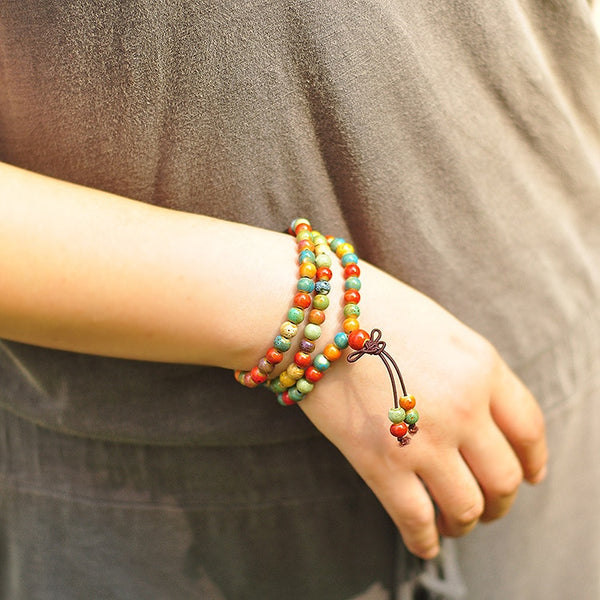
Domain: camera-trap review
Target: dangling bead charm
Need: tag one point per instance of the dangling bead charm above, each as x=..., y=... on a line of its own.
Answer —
x=403, y=414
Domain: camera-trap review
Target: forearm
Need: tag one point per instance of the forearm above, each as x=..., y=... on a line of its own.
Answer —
x=88, y=271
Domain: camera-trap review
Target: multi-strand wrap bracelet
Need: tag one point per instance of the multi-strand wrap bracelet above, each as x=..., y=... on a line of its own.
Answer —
x=305, y=370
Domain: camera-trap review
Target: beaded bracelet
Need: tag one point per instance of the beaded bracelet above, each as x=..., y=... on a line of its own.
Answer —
x=314, y=262
x=403, y=414
x=300, y=377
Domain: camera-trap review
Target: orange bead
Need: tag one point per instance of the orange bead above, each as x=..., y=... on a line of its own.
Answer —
x=303, y=359
x=308, y=269
x=302, y=227
x=313, y=375
x=274, y=356
x=350, y=324
x=407, y=402
x=302, y=300
x=357, y=339
x=351, y=270
x=324, y=273
x=351, y=296
x=332, y=352
x=316, y=316
x=305, y=245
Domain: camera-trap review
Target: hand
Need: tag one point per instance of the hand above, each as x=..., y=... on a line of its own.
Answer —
x=481, y=433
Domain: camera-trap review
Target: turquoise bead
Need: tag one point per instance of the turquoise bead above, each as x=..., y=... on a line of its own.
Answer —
x=323, y=260
x=396, y=415
x=351, y=310
x=306, y=256
x=341, y=340
x=352, y=283
x=304, y=386
x=295, y=315
x=305, y=284
x=412, y=416
x=336, y=242
x=321, y=363
x=282, y=343
x=295, y=394
x=312, y=331
x=349, y=258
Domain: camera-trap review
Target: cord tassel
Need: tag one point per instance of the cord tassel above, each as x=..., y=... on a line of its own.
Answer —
x=403, y=415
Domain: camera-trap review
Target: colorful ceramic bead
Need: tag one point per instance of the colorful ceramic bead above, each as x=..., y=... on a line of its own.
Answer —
x=331, y=352
x=320, y=301
x=399, y=430
x=396, y=415
x=295, y=315
x=304, y=386
x=412, y=416
x=321, y=363
x=407, y=402
x=341, y=340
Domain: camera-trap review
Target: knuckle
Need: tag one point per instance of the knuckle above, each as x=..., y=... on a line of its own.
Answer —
x=468, y=516
x=421, y=517
x=506, y=485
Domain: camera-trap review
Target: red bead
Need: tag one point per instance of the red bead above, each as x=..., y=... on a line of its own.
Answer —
x=357, y=339
x=316, y=316
x=248, y=381
x=302, y=227
x=302, y=300
x=351, y=270
x=313, y=375
x=407, y=402
x=399, y=430
x=285, y=398
x=274, y=356
x=257, y=375
x=302, y=359
x=351, y=296
x=324, y=273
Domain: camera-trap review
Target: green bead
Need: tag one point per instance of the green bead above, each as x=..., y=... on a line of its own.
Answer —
x=336, y=242
x=304, y=386
x=282, y=343
x=312, y=332
x=323, y=260
x=396, y=415
x=277, y=387
x=320, y=301
x=351, y=310
x=352, y=283
x=295, y=394
x=321, y=362
x=295, y=315
x=412, y=416
x=319, y=239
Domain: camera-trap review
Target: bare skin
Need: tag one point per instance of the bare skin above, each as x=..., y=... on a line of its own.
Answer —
x=88, y=271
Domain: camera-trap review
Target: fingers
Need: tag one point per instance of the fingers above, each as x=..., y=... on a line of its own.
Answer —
x=407, y=502
x=497, y=469
x=521, y=420
x=455, y=491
